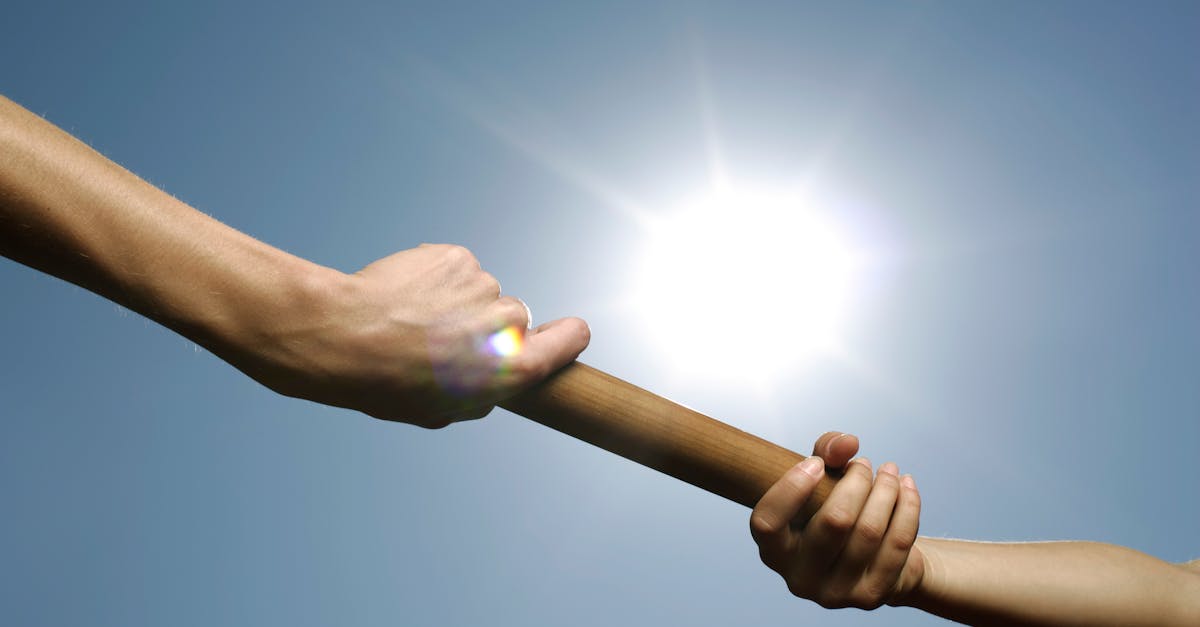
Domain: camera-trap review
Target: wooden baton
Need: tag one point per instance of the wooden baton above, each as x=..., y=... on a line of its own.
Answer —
x=620, y=417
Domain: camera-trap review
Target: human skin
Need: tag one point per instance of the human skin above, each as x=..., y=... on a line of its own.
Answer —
x=978, y=583
x=858, y=549
x=404, y=338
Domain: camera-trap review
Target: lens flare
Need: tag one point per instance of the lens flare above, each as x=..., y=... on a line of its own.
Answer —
x=506, y=342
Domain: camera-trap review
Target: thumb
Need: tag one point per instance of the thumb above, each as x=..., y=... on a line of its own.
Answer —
x=836, y=448
x=549, y=347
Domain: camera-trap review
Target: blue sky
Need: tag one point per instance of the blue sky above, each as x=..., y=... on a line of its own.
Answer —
x=1024, y=177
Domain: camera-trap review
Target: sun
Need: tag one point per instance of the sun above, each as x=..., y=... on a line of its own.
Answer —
x=743, y=283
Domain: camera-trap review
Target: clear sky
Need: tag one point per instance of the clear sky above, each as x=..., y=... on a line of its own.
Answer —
x=1023, y=179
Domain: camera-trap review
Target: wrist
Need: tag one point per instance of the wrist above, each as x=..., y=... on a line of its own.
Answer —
x=262, y=324
x=929, y=572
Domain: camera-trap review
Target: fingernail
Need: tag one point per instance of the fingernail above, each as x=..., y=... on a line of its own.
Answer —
x=834, y=441
x=909, y=482
x=890, y=468
x=812, y=466
x=862, y=460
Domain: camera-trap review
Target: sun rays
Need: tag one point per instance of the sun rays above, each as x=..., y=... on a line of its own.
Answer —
x=740, y=280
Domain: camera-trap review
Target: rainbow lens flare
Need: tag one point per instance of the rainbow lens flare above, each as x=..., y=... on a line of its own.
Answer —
x=506, y=342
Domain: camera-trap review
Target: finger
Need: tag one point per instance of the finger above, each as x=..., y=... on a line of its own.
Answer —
x=825, y=535
x=901, y=534
x=459, y=254
x=491, y=285
x=869, y=529
x=474, y=413
x=452, y=252
x=469, y=290
x=770, y=522
x=505, y=312
x=429, y=421
x=836, y=448
x=821, y=446
x=548, y=348
x=546, y=326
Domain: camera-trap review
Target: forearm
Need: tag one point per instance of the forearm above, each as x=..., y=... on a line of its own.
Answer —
x=70, y=212
x=402, y=339
x=1053, y=583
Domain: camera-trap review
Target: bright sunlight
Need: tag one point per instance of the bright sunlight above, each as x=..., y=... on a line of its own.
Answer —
x=744, y=283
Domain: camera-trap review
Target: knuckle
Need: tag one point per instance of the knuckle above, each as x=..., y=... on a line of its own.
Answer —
x=859, y=472
x=870, y=531
x=801, y=485
x=489, y=282
x=427, y=421
x=860, y=602
x=887, y=481
x=901, y=542
x=763, y=526
x=513, y=309
x=869, y=596
x=474, y=413
x=769, y=558
x=426, y=417
x=480, y=414
x=527, y=370
x=828, y=600
x=458, y=253
x=800, y=480
x=838, y=520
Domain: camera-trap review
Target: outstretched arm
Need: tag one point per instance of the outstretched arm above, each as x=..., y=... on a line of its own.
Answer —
x=1054, y=583
x=405, y=338
x=858, y=551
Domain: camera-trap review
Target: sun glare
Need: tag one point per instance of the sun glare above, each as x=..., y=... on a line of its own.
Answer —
x=744, y=283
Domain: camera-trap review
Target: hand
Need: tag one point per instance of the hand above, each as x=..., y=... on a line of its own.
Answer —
x=409, y=337
x=858, y=549
x=412, y=338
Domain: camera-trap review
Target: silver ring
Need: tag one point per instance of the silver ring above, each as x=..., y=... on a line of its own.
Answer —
x=528, y=315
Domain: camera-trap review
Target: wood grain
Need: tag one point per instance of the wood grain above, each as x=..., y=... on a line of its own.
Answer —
x=620, y=417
